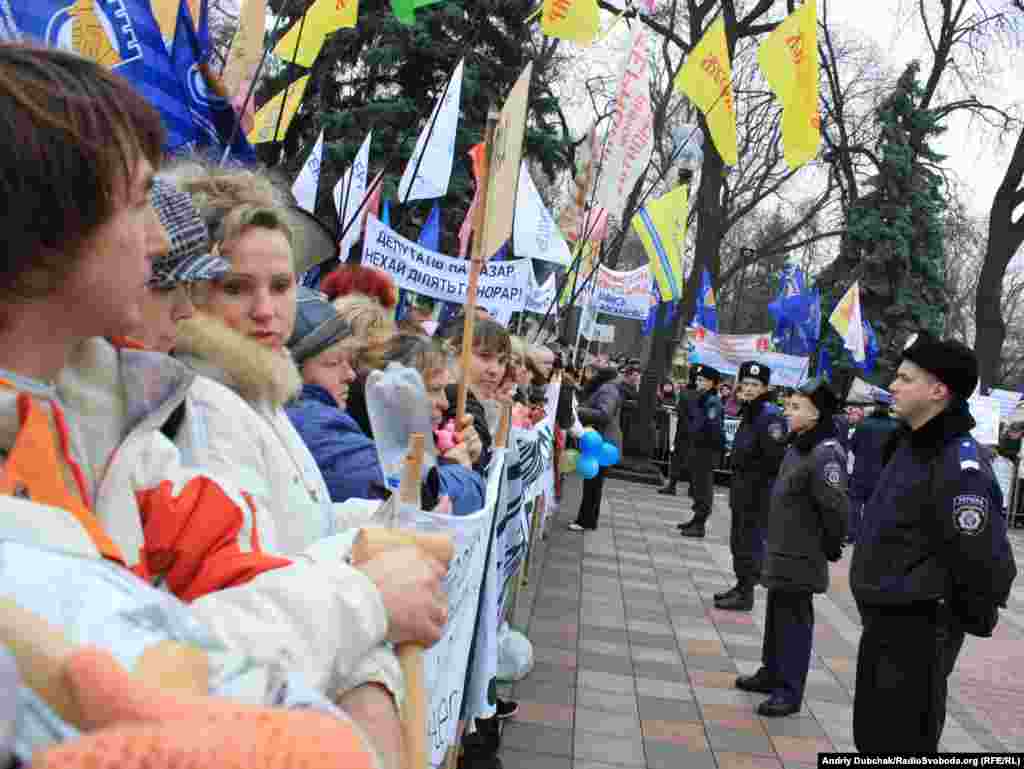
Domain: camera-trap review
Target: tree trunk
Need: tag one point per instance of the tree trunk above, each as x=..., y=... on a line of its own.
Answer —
x=1004, y=238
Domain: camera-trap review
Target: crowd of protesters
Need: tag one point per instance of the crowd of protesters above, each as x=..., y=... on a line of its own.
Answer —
x=192, y=426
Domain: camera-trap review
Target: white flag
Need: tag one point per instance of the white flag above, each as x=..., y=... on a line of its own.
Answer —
x=308, y=180
x=349, y=193
x=431, y=162
x=630, y=141
x=535, y=233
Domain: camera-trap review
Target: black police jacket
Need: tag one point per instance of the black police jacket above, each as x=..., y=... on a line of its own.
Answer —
x=809, y=510
x=684, y=405
x=707, y=422
x=934, y=529
x=867, y=445
x=757, y=452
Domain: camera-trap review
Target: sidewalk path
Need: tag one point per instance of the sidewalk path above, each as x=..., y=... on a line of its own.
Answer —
x=634, y=667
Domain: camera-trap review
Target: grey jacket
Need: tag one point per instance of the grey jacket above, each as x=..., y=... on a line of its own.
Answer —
x=602, y=399
x=809, y=509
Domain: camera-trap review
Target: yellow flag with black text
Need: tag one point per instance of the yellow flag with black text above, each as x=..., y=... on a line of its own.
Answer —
x=575, y=20
x=322, y=18
x=706, y=79
x=266, y=127
x=789, y=61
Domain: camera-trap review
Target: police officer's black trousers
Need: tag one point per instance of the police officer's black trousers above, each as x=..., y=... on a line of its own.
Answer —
x=746, y=541
x=701, y=483
x=788, y=632
x=679, y=459
x=906, y=654
x=590, y=505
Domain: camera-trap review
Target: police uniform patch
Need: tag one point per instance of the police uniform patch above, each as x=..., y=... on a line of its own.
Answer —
x=833, y=472
x=776, y=432
x=970, y=513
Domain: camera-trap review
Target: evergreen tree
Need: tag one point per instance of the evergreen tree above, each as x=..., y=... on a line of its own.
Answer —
x=387, y=76
x=894, y=240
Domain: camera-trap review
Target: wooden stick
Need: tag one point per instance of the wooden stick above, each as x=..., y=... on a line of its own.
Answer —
x=504, y=428
x=476, y=264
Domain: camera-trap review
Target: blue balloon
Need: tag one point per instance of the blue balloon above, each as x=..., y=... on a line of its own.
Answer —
x=609, y=454
x=587, y=466
x=590, y=443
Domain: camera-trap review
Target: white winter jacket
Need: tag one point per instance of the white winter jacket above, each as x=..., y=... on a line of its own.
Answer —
x=315, y=615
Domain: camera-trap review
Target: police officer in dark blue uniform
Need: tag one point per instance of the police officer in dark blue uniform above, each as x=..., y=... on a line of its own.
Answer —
x=933, y=560
x=805, y=530
x=757, y=452
x=707, y=437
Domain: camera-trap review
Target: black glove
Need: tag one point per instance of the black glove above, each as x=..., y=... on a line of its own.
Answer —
x=976, y=615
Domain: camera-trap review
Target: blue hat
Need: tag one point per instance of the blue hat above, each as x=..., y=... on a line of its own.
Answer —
x=317, y=325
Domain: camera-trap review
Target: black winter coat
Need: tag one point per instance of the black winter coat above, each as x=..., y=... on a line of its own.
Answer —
x=934, y=527
x=868, y=441
x=809, y=508
x=757, y=451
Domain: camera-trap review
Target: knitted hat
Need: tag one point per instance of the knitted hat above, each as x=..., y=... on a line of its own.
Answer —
x=751, y=369
x=951, y=362
x=820, y=394
x=709, y=372
x=317, y=325
x=189, y=258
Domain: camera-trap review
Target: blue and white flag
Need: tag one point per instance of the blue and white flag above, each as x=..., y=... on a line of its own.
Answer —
x=308, y=180
x=430, y=168
x=123, y=36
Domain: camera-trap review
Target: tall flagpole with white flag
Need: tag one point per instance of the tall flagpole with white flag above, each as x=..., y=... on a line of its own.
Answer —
x=308, y=180
x=534, y=231
x=348, y=196
x=429, y=169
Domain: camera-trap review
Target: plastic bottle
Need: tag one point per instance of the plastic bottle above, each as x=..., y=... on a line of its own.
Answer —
x=397, y=402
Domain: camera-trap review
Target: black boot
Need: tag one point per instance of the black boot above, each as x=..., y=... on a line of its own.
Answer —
x=741, y=600
x=478, y=754
x=694, y=528
x=669, y=488
x=761, y=682
x=726, y=593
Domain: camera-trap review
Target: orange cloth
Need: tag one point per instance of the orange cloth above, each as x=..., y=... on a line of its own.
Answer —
x=39, y=467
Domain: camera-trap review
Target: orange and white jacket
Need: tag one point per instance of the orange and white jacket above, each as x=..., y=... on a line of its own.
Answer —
x=192, y=531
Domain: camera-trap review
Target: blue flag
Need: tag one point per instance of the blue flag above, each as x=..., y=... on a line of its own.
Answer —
x=797, y=314
x=870, y=349
x=385, y=213
x=213, y=116
x=825, y=365
x=430, y=237
x=706, y=313
x=123, y=36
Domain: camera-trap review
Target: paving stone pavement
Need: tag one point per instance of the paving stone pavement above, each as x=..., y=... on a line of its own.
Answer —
x=634, y=667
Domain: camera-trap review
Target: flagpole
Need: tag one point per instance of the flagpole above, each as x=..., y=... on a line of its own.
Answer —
x=288, y=85
x=252, y=88
x=348, y=189
x=475, y=265
x=426, y=143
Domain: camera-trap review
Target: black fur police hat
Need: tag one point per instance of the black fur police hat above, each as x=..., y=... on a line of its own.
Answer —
x=708, y=372
x=820, y=394
x=951, y=362
x=754, y=370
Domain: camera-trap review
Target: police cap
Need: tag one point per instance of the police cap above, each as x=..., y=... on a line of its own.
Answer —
x=754, y=370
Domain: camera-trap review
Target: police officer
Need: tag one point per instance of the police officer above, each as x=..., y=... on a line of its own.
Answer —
x=757, y=451
x=707, y=437
x=805, y=529
x=933, y=559
x=681, y=441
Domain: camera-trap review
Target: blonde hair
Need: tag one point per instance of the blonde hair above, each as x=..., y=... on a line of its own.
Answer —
x=230, y=200
x=368, y=319
x=517, y=351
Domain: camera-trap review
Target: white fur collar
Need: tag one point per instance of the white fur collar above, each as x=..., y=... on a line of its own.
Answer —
x=257, y=374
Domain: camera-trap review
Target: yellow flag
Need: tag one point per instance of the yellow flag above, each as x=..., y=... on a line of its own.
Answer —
x=266, y=117
x=706, y=79
x=322, y=18
x=575, y=20
x=661, y=225
x=789, y=60
x=247, y=46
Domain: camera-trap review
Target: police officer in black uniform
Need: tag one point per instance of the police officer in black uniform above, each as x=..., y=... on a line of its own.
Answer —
x=707, y=436
x=757, y=452
x=804, y=531
x=681, y=440
x=933, y=560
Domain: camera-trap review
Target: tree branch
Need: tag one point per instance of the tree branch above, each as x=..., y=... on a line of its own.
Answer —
x=657, y=26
